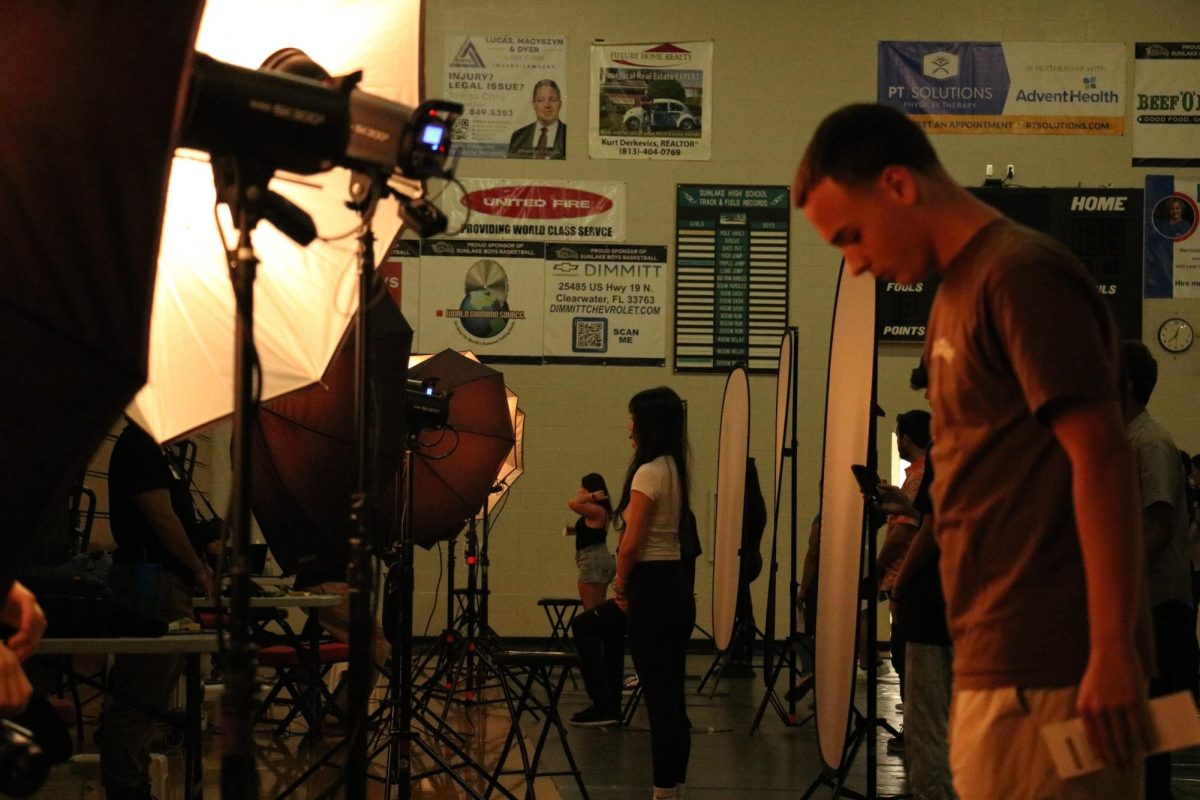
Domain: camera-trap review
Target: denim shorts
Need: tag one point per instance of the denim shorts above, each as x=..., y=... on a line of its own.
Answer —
x=596, y=564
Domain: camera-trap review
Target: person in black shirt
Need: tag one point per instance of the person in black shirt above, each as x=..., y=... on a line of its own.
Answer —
x=155, y=572
x=595, y=563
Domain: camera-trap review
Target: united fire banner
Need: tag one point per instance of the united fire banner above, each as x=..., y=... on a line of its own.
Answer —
x=555, y=211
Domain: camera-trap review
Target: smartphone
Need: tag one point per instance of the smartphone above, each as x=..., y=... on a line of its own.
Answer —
x=868, y=481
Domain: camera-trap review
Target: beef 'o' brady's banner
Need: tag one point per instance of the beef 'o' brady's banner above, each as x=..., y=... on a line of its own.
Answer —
x=530, y=302
x=1006, y=87
x=563, y=211
x=651, y=101
x=1172, y=246
x=508, y=83
x=1166, y=108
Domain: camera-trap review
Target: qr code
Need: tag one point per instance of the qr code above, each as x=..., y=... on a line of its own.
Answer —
x=462, y=127
x=591, y=335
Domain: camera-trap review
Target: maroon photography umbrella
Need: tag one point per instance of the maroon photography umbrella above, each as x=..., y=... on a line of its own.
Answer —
x=455, y=469
x=304, y=453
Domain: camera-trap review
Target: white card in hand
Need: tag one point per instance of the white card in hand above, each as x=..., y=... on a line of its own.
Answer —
x=1173, y=722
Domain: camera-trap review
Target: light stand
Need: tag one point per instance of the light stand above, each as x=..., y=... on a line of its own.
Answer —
x=775, y=658
x=401, y=738
x=400, y=711
x=463, y=657
x=243, y=187
x=359, y=571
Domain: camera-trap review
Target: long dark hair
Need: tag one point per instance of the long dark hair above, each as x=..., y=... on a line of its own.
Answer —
x=659, y=429
x=594, y=482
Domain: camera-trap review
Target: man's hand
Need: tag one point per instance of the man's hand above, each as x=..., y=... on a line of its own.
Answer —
x=22, y=612
x=1112, y=703
x=15, y=690
x=893, y=501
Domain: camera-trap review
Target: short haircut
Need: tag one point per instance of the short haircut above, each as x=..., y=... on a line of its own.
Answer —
x=546, y=82
x=915, y=425
x=1139, y=368
x=854, y=144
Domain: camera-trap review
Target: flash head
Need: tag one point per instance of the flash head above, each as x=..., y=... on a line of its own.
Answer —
x=290, y=115
x=426, y=406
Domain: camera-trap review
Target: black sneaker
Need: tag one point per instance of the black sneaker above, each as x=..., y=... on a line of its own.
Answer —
x=592, y=717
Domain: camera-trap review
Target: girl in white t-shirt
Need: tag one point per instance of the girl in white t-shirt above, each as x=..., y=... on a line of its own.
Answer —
x=654, y=585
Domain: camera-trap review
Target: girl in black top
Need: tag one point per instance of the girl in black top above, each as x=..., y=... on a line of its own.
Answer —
x=596, y=567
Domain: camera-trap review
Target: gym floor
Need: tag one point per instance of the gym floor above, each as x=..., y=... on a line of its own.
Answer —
x=727, y=761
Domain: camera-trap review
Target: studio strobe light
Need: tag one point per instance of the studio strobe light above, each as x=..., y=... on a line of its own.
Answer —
x=293, y=123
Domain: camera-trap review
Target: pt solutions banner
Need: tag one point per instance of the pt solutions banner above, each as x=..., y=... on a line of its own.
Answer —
x=1071, y=88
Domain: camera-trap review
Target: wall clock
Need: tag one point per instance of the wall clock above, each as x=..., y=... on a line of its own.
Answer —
x=1176, y=335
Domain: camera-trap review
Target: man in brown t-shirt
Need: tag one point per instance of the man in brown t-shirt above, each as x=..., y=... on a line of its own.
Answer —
x=1034, y=497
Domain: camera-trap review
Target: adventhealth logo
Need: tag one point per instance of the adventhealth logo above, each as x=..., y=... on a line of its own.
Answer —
x=1068, y=96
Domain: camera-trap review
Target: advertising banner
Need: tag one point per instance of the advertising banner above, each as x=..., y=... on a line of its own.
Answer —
x=557, y=211
x=511, y=87
x=1166, y=110
x=651, y=101
x=1069, y=88
x=731, y=276
x=1172, y=248
x=482, y=296
x=606, y=304
x=400, y=272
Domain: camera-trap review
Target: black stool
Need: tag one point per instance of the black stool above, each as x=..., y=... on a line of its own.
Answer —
x=530, y=686
x=560, y=611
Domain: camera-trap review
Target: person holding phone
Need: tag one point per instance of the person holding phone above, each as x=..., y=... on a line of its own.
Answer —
x=912, y=440
x=595, y=563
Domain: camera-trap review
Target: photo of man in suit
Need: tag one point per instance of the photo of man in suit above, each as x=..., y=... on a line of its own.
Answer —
x=547, y=136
